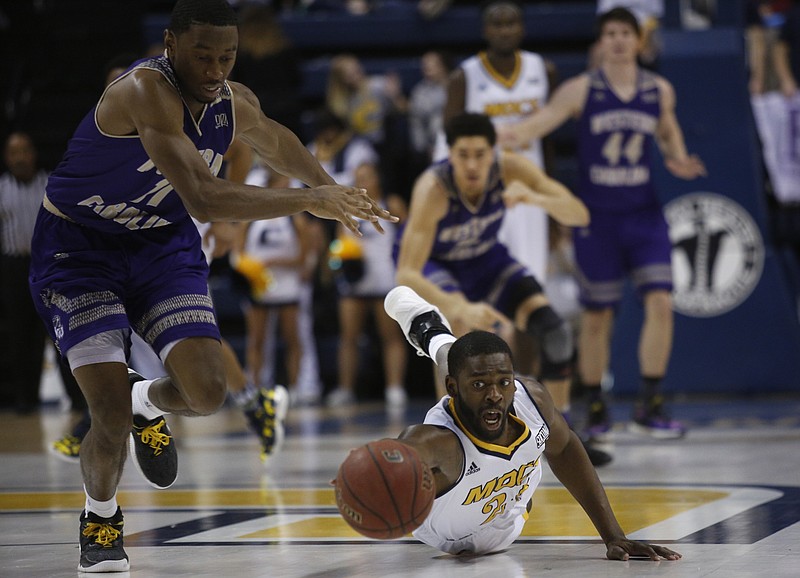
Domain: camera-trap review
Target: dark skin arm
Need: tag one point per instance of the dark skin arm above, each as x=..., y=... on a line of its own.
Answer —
x=440, y=449
x=571, y=465
x=144, y=103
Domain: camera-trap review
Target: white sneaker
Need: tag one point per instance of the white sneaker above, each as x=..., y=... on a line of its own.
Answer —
x=340, y=398
x=404, y=305
x=396, y=397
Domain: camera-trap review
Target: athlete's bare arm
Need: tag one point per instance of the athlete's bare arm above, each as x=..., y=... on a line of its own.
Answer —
x=429, y=204
x=456, y=94
x=669, y=137
x=441, y=451
x=144, y=103
x=567, y=102
x=570, y=464
x=527, y=183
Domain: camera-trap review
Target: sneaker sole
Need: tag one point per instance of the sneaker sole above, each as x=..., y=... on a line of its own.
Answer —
x=106, y=566
x=655, y=433
x=132, y=451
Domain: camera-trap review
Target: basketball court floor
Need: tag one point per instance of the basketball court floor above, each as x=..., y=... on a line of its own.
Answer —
x=727, y=497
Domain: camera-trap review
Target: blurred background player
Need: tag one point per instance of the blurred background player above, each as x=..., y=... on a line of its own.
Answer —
x=621, y=109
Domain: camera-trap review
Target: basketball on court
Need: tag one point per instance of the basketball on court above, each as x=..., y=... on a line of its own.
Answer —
x=383, y=489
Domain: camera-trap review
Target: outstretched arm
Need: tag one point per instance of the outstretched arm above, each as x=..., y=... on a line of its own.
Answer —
x=566, y=102
x=441, y=451
x=527, y=183
x=145, y=104
x=669, y=137
x=570, y=464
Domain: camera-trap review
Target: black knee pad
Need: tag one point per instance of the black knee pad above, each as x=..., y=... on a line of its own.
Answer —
x=519, y=292
x=556, y=341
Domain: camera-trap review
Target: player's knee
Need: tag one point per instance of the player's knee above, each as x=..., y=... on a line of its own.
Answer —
x=558, y=344
x=658, y=305
x=208, y=395
x=111, y=425
x=556, y=339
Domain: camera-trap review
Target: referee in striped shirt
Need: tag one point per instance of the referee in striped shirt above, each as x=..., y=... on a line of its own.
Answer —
x=21, y=191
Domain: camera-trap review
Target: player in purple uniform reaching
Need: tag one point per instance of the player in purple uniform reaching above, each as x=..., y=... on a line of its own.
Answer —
x=449, y=252
x=620, y=109
x=115, y=247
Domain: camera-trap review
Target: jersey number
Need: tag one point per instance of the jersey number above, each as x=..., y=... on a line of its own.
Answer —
x=614, y=148
x=494, y=507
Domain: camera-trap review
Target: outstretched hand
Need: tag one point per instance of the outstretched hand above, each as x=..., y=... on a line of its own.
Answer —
x=346, y=204
x=687, y=168
x=624, y=549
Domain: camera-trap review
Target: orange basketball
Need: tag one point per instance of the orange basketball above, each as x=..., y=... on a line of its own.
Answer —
x=383, y=489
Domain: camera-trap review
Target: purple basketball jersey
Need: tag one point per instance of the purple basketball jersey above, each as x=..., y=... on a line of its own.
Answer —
x=615, y=140
x=124, y=252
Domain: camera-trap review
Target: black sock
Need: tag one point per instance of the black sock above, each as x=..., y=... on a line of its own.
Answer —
x=594, y=393
x=651, y=391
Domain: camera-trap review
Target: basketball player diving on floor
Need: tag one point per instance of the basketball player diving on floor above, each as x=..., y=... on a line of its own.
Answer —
x=484, y=440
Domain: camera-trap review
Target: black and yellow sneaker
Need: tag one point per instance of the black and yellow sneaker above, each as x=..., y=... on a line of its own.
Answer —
x=153, y=451
x=152, y=447
x=67, y=448
x=101, y=544
x=266, y=418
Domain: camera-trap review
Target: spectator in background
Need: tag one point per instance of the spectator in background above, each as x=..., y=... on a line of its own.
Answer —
x=426, y=107
x=773, y=34
x=374, y=107
x=364, y=278
x=268, y=63
x=785, y=160
x=340, y=152
x=278, y=248
x=786, y=56
x=763, y=22
x=21, y=192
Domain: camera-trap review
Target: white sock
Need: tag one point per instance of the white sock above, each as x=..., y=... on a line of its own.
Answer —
x=439, y=341
x=105, y=509
x=141, y=400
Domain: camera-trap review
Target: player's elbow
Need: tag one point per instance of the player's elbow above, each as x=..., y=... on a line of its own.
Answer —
x=200, y=204
x=199, y=210
x=581, y=218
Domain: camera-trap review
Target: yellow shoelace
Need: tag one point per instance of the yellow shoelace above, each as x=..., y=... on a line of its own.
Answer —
x=104, y=534
x=69, y=445
x=152, y=436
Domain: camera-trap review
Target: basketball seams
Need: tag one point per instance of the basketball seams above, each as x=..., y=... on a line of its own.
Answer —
x=388, y=488
x=405, y=483
x=354, y=496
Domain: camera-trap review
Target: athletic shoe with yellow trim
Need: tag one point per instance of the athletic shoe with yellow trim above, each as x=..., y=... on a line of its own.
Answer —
x=266, y=418
x=67, y=448
x=152, y=447
x=101, y=544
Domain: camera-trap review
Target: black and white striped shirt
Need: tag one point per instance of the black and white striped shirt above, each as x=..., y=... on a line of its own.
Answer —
x=19, y=205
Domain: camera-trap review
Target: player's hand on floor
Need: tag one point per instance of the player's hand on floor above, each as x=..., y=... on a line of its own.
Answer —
x=626, y=549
